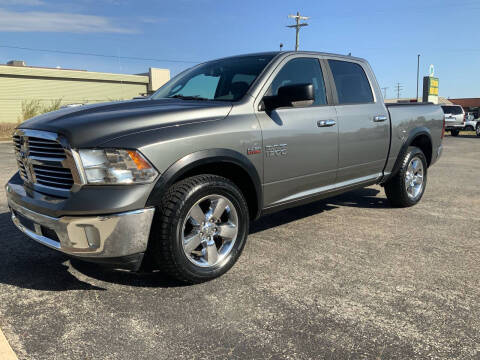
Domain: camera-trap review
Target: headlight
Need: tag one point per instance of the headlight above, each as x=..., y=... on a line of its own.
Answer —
x=115, y=166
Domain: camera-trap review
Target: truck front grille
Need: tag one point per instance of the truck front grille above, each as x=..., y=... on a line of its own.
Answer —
x=43, y=162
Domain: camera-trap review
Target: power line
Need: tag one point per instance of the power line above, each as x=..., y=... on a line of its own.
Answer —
x=97, y=55
x=297, y=26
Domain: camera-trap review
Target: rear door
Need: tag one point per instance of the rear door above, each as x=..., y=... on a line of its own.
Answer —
x=300, y=144
x=363, y=123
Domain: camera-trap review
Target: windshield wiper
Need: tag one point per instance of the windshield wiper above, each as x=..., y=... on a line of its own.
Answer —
x=185, y=97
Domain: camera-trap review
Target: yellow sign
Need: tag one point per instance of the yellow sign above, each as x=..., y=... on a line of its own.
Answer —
x=433, y=86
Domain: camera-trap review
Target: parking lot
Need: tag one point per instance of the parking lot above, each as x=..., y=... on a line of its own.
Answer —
x=344, y=278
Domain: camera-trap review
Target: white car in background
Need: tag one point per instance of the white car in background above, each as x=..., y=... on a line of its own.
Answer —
x=472, y=124
x=454, y=118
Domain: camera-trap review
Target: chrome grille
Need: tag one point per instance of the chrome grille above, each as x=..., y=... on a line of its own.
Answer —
x=43, y=161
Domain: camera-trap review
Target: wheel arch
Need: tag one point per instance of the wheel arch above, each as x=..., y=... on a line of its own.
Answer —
x=419, y=137
x=223, y=162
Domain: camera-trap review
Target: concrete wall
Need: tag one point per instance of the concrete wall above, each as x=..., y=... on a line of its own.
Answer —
x=46, y=85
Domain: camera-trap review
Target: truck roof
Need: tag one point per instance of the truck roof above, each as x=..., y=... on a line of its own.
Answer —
x=276, y=53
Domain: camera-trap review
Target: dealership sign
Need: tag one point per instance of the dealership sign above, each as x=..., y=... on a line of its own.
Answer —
x=430, y=86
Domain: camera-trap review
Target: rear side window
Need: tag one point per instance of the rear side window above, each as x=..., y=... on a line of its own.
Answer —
x=454, y=110
x=301, y=71
x=351, y=82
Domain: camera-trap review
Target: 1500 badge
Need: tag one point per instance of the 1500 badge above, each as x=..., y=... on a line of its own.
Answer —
x=276, y=150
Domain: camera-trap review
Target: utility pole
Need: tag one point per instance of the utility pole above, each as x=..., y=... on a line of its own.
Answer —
x=384, y=92
x=297, y=26
x=399, y=88
x=418, y=72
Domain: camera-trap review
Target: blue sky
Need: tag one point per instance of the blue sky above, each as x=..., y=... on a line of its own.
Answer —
x=389, y=34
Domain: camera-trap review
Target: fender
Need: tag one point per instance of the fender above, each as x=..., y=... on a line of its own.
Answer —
x=413, y=134
x=204, y=157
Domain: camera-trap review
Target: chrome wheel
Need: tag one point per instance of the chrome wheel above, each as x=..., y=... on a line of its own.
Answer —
x=210, y=230
x=478, y=130
x=414, y=178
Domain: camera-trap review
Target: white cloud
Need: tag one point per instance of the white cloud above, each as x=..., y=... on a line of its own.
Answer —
x=22, y=2
x=39, y=21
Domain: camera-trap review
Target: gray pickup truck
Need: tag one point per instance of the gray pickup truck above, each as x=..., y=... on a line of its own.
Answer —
x=172, y=182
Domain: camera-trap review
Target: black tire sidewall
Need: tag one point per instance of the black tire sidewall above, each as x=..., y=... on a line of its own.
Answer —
x=218, y=187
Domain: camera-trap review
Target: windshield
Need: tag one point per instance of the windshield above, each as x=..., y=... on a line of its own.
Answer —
x=223, y=80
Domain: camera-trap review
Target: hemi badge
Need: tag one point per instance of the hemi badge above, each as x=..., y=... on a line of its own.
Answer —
x=254, y=150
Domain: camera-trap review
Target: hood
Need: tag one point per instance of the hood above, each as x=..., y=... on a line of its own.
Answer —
x=92, y=125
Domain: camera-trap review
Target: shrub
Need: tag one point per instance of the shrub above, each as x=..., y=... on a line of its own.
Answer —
x=30, y=108
x=54, y=105
x=6, y=130
x=34, y=107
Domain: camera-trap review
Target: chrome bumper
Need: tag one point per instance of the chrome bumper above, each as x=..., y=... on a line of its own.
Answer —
x=110, y=236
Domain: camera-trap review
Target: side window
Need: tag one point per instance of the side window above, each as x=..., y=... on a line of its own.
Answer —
x=351, y=82
x=301, y=71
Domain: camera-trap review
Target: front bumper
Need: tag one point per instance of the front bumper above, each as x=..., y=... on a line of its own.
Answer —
x=96, y=238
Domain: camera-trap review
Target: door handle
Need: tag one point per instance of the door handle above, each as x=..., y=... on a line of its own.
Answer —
x=380, y=118
x=326, y=123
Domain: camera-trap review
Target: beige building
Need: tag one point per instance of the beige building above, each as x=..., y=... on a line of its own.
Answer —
x=20, y=83
x=441, y=100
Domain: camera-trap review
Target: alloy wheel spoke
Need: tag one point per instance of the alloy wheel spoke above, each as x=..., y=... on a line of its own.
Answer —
x=197, y=214
x=415, y=164
x=191, y=242
x=211, y=252
x=218, y=208
x=419, y=179
x=227, y=231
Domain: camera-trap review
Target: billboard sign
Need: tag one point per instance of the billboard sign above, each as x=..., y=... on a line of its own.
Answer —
x=430, y=87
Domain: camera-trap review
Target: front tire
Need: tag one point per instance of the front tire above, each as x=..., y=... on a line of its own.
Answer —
x=406, y=188
x=454, y=132
x=200, y=229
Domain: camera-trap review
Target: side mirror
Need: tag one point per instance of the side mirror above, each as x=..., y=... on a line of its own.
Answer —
x=290, y=96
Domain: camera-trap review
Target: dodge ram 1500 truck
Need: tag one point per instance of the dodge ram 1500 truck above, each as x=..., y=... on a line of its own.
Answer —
x=174, y=180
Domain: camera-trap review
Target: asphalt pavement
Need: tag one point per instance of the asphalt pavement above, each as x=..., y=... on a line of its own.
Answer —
x=344, y=278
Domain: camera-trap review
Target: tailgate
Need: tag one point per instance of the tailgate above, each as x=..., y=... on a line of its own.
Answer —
x=454, y=120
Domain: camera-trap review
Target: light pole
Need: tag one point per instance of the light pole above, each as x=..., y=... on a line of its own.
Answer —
x=297, y=26
x=418, y=72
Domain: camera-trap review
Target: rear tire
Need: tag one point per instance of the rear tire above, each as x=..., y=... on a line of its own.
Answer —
x=200, y=228
x=478, y=129
x=406, y=188
x=454, y=132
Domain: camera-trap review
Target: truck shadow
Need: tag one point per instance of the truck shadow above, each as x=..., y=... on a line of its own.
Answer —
x=362, y=198
x=29, y=265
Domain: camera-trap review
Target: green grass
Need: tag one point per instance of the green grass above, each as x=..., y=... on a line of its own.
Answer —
x=461, y=133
